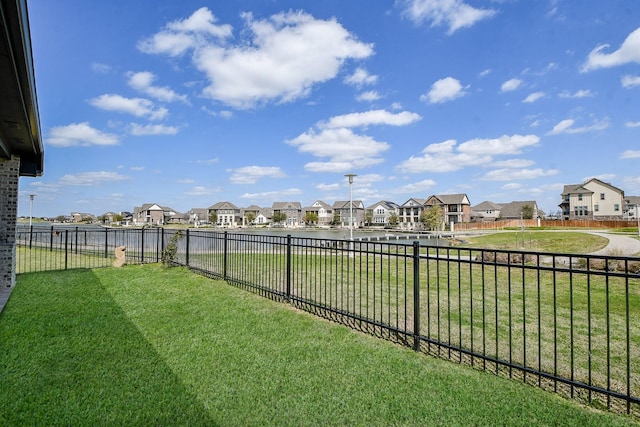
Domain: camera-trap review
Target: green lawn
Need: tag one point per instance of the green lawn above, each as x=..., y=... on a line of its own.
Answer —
x=147, y=345
x=572, y=242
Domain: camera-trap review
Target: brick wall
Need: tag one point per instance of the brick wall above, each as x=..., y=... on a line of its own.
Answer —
x=9, y=173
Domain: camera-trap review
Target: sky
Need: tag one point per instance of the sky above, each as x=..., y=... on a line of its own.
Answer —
x=189, y=103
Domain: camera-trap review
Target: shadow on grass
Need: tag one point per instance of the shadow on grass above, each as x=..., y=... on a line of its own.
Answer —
x=83, y=361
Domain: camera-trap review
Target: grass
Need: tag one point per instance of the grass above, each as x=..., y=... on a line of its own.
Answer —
x=542, y=241
x=146, y=345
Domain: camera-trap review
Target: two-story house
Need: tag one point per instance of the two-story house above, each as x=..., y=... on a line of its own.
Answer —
x=379, y=213
x=226, y=213
x=154, y=214
x=631, y=210
x=324, y=212
x=455, y=207
x=292, y=210
x=343, y=211
x=409, y=212
x=594, y=199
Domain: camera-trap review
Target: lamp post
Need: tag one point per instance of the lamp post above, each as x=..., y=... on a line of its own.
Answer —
x=350, y=177
x=31, y=197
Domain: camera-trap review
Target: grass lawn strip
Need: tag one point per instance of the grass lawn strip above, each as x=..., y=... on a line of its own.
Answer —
x=149, y=345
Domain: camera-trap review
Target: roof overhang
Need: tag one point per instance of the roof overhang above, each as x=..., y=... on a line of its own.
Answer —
x=19, y=116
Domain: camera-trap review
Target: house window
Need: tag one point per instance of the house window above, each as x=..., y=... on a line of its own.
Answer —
x=566, y=198
x=596, y=208
x=616, y=207
x=580, y=197
x=601, y=196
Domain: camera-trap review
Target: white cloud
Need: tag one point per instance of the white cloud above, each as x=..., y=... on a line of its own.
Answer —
x=251, y=174
x=630, y=154
x=139, y=107
x=181, y=35
x=504, y=145
x=327, y=187
x=485, y=73
x=372, y=117
x=582, y=93
x=632, y=124
x=143, y=130
x=201, y=191
x=513, y=163
x=630, y=81
x=91, y=178
x=368, y=96
x=344, y=149
x=186, y=181
x=511, y=84
x=533, y=97
x=566, y=127
x=455, y=14
x=79, y=134
x=208, y=161
x=280, y=59
x=143, y=82
x=443, y=90
x=509, y=174
x=416, y=187
x=447, y=156
x=101, y=68
x=272, y=195
x=361, y=77
x=628, y=52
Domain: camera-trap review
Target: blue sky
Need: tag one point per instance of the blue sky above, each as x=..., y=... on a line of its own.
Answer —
x=187, y=103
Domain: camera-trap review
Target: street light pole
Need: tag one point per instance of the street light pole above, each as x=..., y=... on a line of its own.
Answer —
x=31, y=197
x=350, y=177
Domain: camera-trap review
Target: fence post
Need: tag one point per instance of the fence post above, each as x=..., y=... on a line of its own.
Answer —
x=142, y=245
x=66, y=248
x=51, y=239
x=30, y=235
x=416, y=296
x=106, y=243
x=76, y=236
x=288, y=266
x=224, y=257
x=187, y=249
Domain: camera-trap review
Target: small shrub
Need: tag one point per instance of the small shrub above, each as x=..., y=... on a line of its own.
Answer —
x=169, y=253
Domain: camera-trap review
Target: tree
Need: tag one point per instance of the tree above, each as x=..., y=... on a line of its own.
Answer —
x=213, y=217
x=431, y=217
x=311, y=217
x=394, y=219
x=368, y=217
x=527, y=212
x=251, y=217
x=279, y=217
x=118, y=218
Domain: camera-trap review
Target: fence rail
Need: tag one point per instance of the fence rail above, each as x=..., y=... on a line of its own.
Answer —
x=562, y=322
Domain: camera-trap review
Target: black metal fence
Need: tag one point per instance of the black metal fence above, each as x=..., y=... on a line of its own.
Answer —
x=562, y=322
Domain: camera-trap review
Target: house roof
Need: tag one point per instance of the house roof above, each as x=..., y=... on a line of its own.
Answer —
x=286, y=205
x=223, y=205
x=451, y=199
x=19, y=117
x=486, y=206
x=414, y=202
x=319, y=204
x=514, y=209
x=388, y=205
x=344, y=204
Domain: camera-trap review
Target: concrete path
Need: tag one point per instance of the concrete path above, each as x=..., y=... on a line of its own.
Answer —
x=618, y=245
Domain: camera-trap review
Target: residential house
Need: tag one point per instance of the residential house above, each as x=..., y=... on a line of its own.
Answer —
x=455, y=207
x=250, y=214
x=594, y=199
x=486, y=211
x=264, y=216
x=292, y=210
x=227, y=214
x=324, y=212
x=516, y=210
x=379, y=213
x=82, y=217
x=343, y=211
x=409, y=213
x=631, y=208
x=198, y=216
x=154, y=214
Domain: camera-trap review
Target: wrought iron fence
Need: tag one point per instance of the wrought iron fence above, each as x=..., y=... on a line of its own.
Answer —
x=562, y=322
